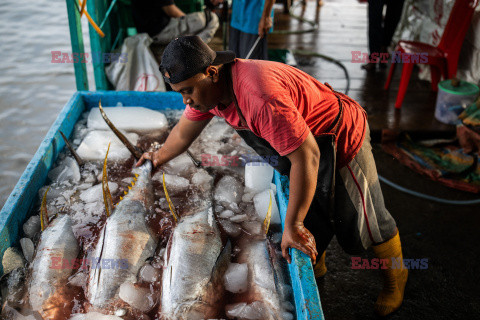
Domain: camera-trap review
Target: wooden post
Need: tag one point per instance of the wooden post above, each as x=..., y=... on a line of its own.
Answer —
x=97, y=10
x=76, y=38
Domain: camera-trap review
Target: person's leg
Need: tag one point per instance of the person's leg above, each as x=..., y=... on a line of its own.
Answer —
x=361, y=221
x=319, y=224
x=262, y=48
x=234, y=41
x=241, y=43
x=359, y=187
x=392, y=17
x=260, y=52
x=375, y=29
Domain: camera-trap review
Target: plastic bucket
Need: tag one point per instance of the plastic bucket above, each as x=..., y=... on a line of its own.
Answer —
x=452, y=100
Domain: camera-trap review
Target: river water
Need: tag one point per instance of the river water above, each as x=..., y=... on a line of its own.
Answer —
x=33, y=90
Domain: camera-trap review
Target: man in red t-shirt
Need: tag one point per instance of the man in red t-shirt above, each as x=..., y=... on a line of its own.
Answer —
x=283, y=111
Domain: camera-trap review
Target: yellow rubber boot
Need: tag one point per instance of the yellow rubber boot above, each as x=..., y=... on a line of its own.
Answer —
x=319, y=269
x=394, y=277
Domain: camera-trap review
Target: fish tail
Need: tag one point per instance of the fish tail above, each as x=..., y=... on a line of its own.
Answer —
x=43, y=211
x=107, y=196
x=170, y=204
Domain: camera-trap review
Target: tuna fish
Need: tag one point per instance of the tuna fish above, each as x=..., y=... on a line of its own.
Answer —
x=124, y=244
x=261, y=279
x=47, y=292
x=195, y=259
x=195, y=262
x=267, y=280
x=125, y=241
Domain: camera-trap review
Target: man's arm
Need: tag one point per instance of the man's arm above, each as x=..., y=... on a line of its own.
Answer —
x=173, y=11
x=266, y=20
x=303, y=181
x=178, y=141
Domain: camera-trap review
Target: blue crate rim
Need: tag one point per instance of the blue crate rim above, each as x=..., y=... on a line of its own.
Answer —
x=307, y=299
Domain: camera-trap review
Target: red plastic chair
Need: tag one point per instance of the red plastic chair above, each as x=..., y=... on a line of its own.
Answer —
x=443, y=58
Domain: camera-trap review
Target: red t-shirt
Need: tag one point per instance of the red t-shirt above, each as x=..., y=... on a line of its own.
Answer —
x=283, y=104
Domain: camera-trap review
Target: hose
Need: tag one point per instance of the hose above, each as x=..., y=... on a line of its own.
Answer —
x=425, y=196
x=302, y=19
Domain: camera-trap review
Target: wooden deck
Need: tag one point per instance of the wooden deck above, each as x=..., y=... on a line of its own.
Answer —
x=342, y=28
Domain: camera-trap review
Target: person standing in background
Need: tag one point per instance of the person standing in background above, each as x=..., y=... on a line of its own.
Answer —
x=164, y=21
x=250, y=19
x=381, y=29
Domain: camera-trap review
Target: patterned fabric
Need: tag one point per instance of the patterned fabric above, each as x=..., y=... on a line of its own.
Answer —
x=454, y=163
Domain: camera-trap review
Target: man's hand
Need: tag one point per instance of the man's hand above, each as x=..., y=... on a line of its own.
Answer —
x=264, y=25
x=178, y=141
x=298, y=237
x=153, y=156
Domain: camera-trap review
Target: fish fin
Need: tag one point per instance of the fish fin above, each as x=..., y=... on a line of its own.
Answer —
x=72, y=150
x=268, y=217
x=197, y=163
x=134, y=150
x=98, y=271
x=125, y=192
x=43, y=211
x=107, y=196
x=170, y=204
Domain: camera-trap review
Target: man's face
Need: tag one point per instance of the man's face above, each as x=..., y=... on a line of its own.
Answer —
x=201, y=92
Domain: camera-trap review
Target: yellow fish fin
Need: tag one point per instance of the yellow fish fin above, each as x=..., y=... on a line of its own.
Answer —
x=170, y=204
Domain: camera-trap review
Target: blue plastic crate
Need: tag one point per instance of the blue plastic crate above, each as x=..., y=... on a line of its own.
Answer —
x=25, y=194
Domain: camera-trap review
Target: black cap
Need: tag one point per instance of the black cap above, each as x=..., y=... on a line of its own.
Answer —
x=186, y=56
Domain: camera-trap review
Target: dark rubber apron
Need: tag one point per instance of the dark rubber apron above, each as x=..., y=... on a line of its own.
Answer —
x=324, y=192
